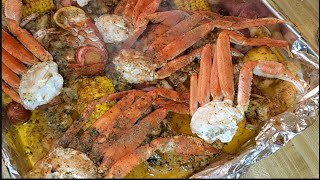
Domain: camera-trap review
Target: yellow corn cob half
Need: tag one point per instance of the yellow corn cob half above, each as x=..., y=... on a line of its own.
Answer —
x=90, y=89
x=37, y=6
x=192, y=5
x=30, y=141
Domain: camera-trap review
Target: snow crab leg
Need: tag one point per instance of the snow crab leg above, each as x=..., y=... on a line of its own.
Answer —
x=127, y=119
x=261, y=68
x=10, y=77
x=181, y=145
x=16, y=53
x=174, y=32
x=225, y=67
x=215, y=88
x=131, y=115
x=10, y=92
x=106, y=121
x=111, y=121
x=133, y=137
x=16, y=49
x=167, y=20
x=204, y=75
x=137, y=11
x=13, y=14
x=171, y=50
x=14, y=64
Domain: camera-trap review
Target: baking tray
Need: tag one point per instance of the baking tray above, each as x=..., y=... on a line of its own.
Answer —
x=275, y=133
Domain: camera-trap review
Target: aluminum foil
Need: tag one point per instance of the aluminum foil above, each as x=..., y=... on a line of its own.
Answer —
x=278, y=130
x=6, y=157
x=275, y=134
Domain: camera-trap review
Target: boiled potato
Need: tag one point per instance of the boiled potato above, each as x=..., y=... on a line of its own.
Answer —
x=259, y=32
x=180, y=123
x=242, y=135
x=266, y=53
x=260, y=53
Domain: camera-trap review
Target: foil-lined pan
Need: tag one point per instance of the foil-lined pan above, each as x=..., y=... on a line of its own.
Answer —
x=278, y=130
x=275, y=134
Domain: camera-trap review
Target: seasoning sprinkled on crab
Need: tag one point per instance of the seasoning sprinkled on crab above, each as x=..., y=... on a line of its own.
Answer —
x=218, y=119
x=172, y=34
x=39, y=84
x=169, y=107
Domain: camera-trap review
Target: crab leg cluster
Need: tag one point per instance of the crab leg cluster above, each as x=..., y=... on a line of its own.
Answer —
x=220, y=121
x=75, y=127
x=216, y=63
x=17, y=53
x=119, y=131
x=189, y=31
x=162, y=22
x=181, y=145
x=172, y=33
x=136, y=11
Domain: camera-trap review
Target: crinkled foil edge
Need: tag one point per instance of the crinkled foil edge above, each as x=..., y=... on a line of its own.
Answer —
x=275, y=134
x=13, y=172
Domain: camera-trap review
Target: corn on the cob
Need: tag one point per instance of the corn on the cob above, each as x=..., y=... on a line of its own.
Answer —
x=90, y=89
x=37, y=6
x=192, y=5
x=29, y=141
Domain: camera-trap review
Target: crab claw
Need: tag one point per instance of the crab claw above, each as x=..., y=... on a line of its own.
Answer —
x=89, y=61
x=13, y=10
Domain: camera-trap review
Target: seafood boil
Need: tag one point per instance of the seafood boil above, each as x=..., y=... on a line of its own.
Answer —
x=139, y=88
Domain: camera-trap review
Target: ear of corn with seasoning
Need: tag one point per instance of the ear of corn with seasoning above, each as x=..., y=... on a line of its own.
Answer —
x=29, y=141
x=90, y=89
x=38, y=7
x=192, y=5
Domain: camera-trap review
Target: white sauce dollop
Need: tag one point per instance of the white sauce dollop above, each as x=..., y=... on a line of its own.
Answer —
x=113, y=28
x=216, y=120
x=40, y=84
